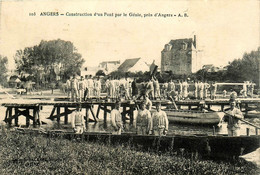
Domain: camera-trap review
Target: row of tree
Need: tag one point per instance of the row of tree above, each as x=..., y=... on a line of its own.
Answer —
x=49, y=61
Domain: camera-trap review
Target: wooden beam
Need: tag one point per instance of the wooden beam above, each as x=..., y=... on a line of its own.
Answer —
x=98, y=110
x=58, y=115
x=105, y=109
x=62, y=114
x=105, y=113
x=52, y=112
x=6, y=115
x=16, y=118
x=131, y=114
x=87, y=116
x=66, y=111
x=27, y=113
x=124, y=114
x=9, y=116
x=24, y=113
x=39, y=118
x=34, y=117
x=93, y=114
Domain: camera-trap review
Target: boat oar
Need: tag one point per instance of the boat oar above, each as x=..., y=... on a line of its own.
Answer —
x=8, y=94
x=258, y=127
x=174, y=104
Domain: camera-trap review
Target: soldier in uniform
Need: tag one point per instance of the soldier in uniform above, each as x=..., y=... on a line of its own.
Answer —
x=160, y=121
x=82, y=88
x=90, y=86
x=143, y=120
x=232, y=118
x=78, y=121
x=74, y=89
x=134, y=89
x=68, y=87
x=157, y=93
x=116, y=119
x=86, y=90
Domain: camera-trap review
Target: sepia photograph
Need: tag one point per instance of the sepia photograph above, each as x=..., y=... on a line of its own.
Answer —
x=130, y=87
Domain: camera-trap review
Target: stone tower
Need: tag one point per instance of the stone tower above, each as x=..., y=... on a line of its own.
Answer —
x=180, y=56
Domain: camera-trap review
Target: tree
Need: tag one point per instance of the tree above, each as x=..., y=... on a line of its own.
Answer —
x=245, y=69
x=50, y=60
x=100, y=73
x=3, y=70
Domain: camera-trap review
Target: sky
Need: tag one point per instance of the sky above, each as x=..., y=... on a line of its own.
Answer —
x=225, y=29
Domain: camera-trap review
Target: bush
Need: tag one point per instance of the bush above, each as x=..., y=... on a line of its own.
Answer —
x=28, y=154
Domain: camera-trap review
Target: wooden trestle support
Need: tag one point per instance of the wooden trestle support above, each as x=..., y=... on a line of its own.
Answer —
x=68, y=109
x=22, y=110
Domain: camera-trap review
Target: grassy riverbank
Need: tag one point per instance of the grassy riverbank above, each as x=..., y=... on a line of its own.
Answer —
x=24, y=154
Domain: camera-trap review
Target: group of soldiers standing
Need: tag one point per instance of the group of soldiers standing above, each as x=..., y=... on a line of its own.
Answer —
x=80, y=90
x=115, y=88
x=146, y=123
x=248, y=89
x=181, y=89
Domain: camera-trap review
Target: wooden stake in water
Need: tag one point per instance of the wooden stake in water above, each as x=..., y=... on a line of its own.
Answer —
x=214, y=131
x=247, y=131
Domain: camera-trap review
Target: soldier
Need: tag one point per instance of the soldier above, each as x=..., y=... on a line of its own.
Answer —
x=77, y=121
x=160, y=121
x=116, y=119
x=206, y=87
x=214, y=90
x=251, y=89
x=157, y=93
x=134, y=89
x=116, y=88
x=97, y=87
x=245, y=89
x=232, y=118
x=150, y=89
x=86, y=90
x=180, y=89
x=126, y=88
x=112, y=88
x=196, y=89
x=74, y=89
x=82, y=88
x=164, y=89
x=201, y=90
x=143, y=120
x=107, y=87
x=90, y=86
x=224, y=93
x=185, y=89
x=171, y=86
x=68, y=87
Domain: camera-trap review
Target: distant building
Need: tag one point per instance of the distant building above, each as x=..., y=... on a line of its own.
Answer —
x=109, y=66
x=88, y=71
x=133, y=65
x=212, y=68
x=180, y=56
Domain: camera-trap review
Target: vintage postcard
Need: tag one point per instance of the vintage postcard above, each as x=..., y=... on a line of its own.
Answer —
x=160, y=87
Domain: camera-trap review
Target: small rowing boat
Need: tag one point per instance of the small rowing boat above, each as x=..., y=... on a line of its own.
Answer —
x=193, y=117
